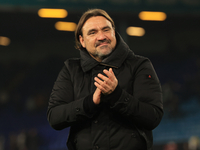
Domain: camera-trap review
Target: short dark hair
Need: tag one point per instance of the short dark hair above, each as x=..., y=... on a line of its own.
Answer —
x=88, y=14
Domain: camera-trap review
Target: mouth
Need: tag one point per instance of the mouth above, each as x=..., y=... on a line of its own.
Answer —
x=102, y=43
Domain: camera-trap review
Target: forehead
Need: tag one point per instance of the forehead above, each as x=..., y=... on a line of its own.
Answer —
x=96, y=22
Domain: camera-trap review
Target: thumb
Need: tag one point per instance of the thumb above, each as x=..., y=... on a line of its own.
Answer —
x=98, y=91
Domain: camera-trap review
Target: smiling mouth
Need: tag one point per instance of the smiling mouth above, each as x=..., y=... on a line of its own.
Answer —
x=102, y=43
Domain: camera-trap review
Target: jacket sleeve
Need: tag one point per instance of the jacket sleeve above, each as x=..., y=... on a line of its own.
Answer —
x=144, y=107
x=63, y=111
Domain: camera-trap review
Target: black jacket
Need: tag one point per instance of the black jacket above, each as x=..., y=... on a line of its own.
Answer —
x=124, y=120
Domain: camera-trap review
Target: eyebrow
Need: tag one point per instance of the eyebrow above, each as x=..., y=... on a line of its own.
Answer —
x=106, y=27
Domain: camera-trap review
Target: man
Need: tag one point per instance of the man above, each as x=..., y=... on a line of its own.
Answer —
x=110, y=98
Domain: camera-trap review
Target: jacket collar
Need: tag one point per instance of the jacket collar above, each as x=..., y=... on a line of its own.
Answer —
x=115, y=60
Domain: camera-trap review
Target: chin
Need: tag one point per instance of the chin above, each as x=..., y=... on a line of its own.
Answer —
x=104, y=55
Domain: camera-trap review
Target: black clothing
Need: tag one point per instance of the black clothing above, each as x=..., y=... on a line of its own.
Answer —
x=124, y=120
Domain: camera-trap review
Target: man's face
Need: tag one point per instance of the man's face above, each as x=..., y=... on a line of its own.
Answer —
x=98, y=37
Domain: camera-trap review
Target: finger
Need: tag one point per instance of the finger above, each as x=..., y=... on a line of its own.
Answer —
x=98, y=80
x=111, y=71
x=104, y=78
x=101, y=88
x=104, y=84
x=110, y=74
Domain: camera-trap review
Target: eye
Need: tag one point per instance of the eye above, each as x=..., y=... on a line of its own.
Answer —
x=107, y=29
x=92, y=32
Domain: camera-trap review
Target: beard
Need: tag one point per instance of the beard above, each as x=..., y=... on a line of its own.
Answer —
x=103, y=51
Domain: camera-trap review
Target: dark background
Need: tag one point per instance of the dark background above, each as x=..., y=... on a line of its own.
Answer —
x=31, y=62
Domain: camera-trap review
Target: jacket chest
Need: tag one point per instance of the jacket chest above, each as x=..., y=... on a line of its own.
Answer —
x=84, y=81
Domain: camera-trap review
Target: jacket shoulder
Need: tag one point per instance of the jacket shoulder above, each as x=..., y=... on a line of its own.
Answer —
x=138, y=62
x=136, y=59
x=72, y=62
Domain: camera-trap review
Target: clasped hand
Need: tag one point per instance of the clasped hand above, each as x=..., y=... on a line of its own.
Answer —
x=105, y=85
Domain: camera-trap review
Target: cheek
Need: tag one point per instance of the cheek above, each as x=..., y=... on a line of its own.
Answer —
x=90, y=42
x=113, y=39
x=113, y=35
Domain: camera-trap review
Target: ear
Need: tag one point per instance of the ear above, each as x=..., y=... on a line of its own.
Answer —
x=81, y=39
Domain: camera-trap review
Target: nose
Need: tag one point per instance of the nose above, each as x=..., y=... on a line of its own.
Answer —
x=101, y=36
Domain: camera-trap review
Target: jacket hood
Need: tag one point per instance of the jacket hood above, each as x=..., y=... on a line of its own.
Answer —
x=115, y=59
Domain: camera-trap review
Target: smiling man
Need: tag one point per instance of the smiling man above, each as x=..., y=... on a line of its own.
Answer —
x=98, y=37
x=109, y=97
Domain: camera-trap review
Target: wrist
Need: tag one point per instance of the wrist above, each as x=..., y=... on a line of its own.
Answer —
x=113, y=97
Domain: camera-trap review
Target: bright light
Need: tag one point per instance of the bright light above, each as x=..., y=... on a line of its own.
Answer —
x=65, y=26
x=135, y=31
x=52, y=13
x=4, y=41
x=152, y=16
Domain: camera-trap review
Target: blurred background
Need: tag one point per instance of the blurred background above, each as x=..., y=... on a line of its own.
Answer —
x=37, y=36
